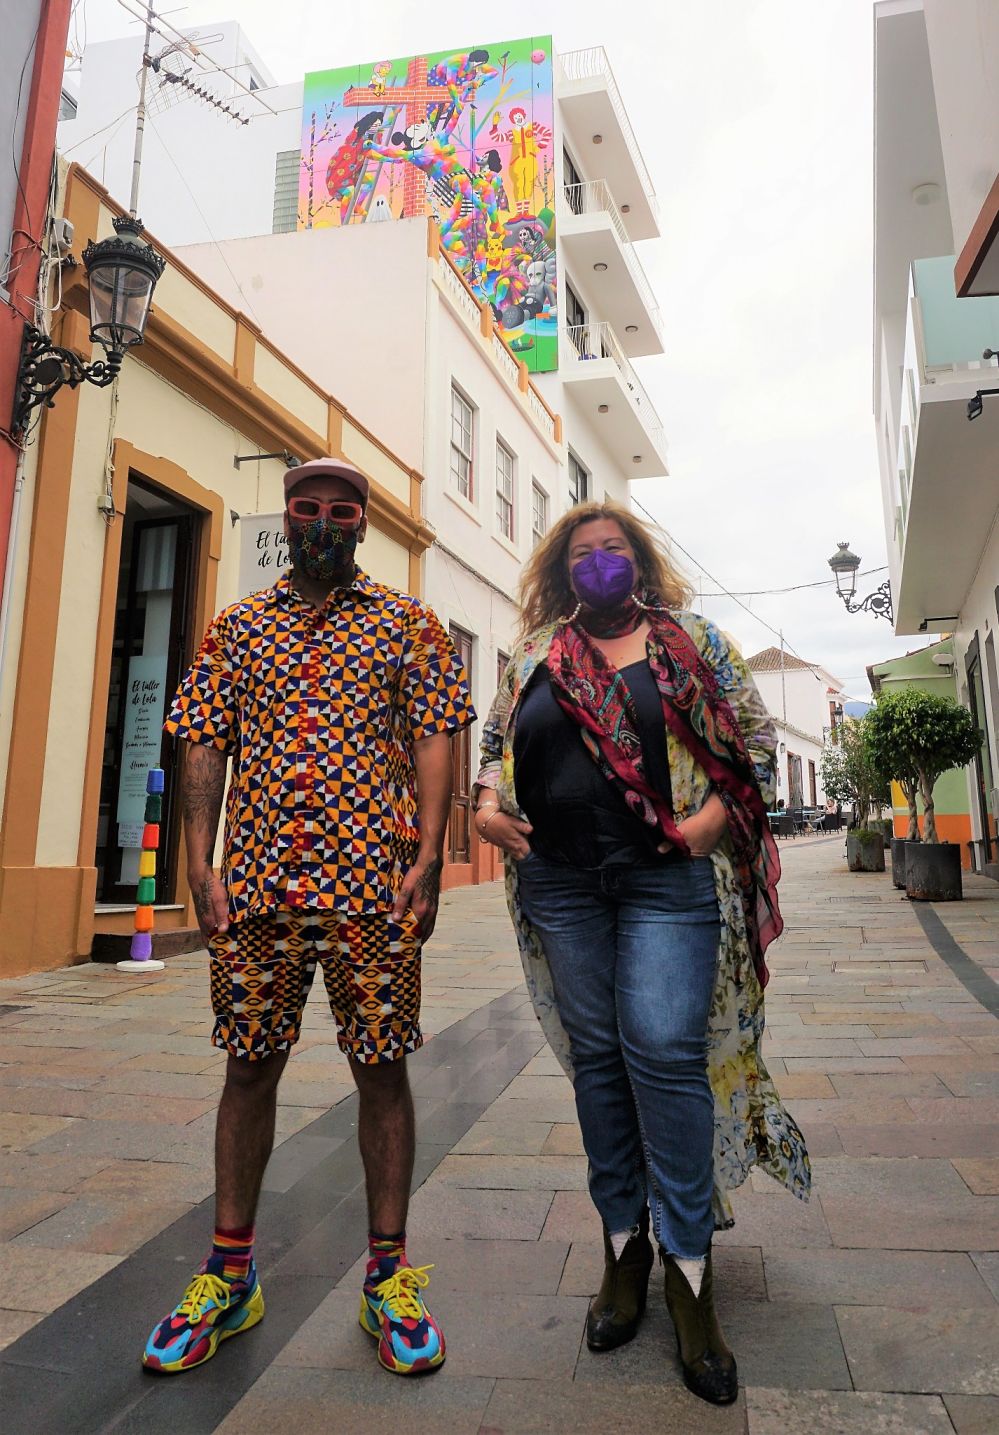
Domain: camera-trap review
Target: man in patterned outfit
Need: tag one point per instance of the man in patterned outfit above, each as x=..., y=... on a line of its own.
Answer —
x=335, y=697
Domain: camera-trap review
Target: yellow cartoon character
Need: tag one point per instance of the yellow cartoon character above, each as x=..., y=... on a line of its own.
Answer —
x=378, y=76
x=525, y=141
x=494, y=251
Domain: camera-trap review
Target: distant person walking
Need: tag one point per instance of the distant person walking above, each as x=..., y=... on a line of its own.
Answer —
x=335, y=697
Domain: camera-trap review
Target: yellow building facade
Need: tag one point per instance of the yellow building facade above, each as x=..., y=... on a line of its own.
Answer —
x=134, y=528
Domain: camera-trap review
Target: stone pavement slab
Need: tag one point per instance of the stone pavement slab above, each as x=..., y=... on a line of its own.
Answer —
x=795, y=1412
x=875, y=1307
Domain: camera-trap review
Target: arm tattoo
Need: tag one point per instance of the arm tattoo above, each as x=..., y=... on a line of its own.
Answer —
x=429, y=882
x=203, y=901
x=204, y=788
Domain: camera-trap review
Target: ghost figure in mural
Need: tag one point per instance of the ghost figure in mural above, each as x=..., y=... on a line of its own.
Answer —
x=379, y=210
x=526, y=142
x=347, y=162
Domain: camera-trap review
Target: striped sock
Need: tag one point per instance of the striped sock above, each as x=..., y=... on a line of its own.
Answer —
x=385, y=1255
x=232, y=1252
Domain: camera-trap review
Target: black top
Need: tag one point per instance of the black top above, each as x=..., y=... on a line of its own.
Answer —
x=578, y=816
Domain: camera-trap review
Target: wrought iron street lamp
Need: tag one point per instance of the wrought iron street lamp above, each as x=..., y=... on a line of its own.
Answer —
x=844, y=565
x=123, y=272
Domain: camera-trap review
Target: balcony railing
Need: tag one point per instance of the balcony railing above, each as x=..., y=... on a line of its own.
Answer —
x=593, y=64
x=593, y=196
x=597, y=340
x=955, y=332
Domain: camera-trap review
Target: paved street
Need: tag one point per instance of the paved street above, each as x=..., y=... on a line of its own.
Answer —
x=873, y=1308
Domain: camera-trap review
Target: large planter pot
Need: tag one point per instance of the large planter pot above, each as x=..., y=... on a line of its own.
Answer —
x=933, y=872
x=865, y=850
x=898, y=849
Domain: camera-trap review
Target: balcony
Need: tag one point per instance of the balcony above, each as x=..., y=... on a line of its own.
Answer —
x=609, y=394
x=947, y=484
x=592, y=110
x=594, y=240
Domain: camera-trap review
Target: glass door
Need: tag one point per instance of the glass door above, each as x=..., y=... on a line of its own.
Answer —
x=149, y=653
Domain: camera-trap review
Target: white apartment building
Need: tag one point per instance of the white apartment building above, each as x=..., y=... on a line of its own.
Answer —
x=379, y=315
x=806, y=703
x=936, y=313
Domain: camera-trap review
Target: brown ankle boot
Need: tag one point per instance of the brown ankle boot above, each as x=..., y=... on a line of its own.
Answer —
x=709, y=1368
x=618, y=1306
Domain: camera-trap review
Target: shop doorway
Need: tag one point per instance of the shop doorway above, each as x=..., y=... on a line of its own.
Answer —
x=151, y=648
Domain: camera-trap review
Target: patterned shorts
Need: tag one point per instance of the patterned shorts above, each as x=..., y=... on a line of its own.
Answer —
x=262, y=970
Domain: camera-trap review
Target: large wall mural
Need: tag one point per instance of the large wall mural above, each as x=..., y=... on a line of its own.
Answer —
x=465, y=137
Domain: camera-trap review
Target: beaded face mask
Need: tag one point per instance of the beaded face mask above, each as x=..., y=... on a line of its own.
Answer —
x=322, y=549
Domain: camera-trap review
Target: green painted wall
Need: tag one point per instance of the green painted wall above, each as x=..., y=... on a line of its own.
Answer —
x=918, y=670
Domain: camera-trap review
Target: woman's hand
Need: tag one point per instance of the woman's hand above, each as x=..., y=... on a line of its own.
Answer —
x=704, y=829
x=503, y=831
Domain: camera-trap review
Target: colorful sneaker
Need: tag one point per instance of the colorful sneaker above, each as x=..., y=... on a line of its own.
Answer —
x=211, y=1311
x=410, y=1341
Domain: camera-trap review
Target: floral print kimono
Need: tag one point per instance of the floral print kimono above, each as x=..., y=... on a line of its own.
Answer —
x=751, y=1125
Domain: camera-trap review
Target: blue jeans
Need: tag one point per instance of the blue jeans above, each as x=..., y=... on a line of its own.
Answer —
x=633, y=953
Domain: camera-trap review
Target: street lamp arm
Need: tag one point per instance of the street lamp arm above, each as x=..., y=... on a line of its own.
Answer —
x=46, y=368
x=879, y=603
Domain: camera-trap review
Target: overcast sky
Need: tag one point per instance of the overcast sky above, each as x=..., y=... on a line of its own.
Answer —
x=755, y=120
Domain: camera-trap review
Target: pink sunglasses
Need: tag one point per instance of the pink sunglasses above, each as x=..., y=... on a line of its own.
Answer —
x=307, y=510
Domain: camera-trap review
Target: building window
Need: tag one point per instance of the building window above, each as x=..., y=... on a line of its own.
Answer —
x=539, y=513
x=501, y=661
x=67, y=106
x=287, y=167
x=579, y=481
x=575, y=318
x=573, y=183
x=461, y=445
x=504, y=490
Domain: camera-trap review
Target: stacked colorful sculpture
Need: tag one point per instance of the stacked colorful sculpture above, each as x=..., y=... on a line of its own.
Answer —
x=141, y=950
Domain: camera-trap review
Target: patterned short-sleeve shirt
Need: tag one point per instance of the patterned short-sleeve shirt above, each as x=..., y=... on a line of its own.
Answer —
x=319, y=710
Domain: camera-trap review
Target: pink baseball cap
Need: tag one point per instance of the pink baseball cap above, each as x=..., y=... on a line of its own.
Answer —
x=334, y=468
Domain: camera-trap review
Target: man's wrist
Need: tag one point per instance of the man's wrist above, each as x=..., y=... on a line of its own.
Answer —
x=425, y=856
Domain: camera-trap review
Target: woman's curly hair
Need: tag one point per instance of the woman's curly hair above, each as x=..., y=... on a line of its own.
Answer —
x=545, y=591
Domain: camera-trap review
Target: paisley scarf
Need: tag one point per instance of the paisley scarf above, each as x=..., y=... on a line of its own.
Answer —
x=593, y=693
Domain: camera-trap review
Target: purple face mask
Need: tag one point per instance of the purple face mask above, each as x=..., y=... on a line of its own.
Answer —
x=602, y=579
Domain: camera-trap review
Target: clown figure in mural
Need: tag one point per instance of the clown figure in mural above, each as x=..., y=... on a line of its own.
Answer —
x=526, y=141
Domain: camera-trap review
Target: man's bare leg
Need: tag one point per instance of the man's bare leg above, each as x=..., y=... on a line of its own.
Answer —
x=244, y=1137
x=386, y=1134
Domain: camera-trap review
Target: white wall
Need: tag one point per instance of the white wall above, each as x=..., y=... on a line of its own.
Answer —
x=807, y=698
x=347, y=305
x=203, y=175
x=963, y=38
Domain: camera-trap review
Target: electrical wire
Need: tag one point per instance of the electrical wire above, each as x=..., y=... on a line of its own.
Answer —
x=93, y=135
x=777, y=634
x=194, y=200
x=795, y=588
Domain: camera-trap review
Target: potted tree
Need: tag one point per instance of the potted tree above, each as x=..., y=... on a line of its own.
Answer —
x=849, y=774
x=922, y=734
x=887, y=722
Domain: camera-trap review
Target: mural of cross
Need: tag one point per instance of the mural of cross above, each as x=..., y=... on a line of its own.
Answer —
x=415, y=97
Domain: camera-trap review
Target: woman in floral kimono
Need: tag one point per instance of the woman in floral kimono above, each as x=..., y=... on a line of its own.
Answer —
x=627, y=767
